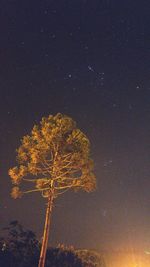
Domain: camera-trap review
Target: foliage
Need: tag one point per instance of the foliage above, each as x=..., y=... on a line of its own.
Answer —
x=55, y=155
x=62, y=257
x=91, y=258
x=19, y=247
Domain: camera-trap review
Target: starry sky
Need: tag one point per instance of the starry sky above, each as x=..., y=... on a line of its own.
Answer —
x=89, y=60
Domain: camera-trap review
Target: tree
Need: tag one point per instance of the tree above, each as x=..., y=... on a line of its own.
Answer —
x=19, y=247
x=63, y=256
x=56, y=157
x=90, y=258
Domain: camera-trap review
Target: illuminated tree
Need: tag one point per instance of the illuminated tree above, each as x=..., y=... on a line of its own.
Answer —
x=56, y=157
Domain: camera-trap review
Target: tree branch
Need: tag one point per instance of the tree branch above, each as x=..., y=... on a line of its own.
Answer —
x=35, y=190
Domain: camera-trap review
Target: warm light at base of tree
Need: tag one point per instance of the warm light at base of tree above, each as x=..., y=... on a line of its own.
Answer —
x=127, y=259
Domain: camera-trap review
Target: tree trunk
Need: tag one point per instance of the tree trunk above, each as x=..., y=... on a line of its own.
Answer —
x=46, y=230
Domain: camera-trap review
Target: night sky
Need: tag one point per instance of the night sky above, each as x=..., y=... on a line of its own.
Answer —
x=89, y=59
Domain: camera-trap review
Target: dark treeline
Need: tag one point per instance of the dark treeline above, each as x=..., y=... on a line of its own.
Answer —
x=19, y=247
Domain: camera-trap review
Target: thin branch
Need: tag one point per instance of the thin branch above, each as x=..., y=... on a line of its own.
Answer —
x=67, y=186
x=35, y=190
x=69, y=166
x=67, y=155
x=69, y=171
x=60, y=193
x=65, y=179
x=66, y=166
x=45, y=166
x=29, y=180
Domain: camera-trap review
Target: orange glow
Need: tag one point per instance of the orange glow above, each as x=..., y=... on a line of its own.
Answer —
x=119, y=259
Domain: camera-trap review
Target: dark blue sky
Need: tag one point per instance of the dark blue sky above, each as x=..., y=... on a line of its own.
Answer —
x=91, y=61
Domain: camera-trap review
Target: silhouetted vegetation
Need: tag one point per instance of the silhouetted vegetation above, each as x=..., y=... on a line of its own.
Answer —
x=20, y=248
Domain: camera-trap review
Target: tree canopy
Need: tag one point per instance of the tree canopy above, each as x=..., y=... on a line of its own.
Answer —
x=55, y=155
x=54, y=158
x=20, y=248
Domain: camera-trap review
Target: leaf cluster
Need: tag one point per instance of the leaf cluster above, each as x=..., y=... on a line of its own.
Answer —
x=56, y=155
